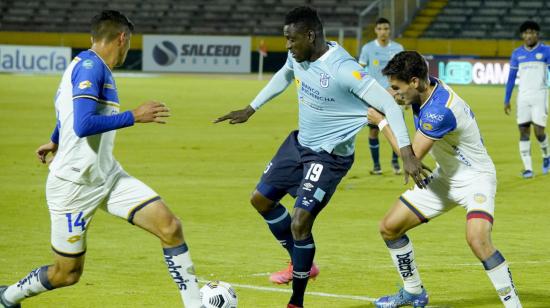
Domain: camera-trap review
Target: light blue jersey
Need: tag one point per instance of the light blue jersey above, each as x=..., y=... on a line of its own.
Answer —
x=375, y=57
x=334, y=94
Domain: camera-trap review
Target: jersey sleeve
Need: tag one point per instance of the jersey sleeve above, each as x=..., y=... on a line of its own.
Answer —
x=514, y=61
x=354, y=78
x=364, y=56
x=435, y=123
x=87, y=79
x=278, y=83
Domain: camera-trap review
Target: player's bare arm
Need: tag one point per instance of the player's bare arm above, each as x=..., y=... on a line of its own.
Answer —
x=43, y=151
x=152, y=111
x=237, y=116
x=420, y=147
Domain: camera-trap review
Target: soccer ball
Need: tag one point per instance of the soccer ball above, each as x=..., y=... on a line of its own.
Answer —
x=218, y=294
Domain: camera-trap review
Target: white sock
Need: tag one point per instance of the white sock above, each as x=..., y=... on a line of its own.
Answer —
x=525, y=152
x=544, y=147
x=501, y=277
x=402, y=254
x=34, y=283
x=182, y=271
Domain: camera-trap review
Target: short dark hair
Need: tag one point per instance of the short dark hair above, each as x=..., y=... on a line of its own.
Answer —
x=305, y=16
x=529, y=25
x=108, y=24
x=382, y=20
x=406, y=65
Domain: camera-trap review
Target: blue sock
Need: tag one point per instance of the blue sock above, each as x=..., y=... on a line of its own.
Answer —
x=374, y=145
x=493, y=261
x=302, y=260
x=393, y=157
x=278, y=219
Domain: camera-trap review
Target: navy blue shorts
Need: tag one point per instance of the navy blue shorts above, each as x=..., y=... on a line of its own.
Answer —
x=306, y=175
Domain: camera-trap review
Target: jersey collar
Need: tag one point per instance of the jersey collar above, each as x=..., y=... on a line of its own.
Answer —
x=107, y=66
x=530, y=50
x=432, y=80
x=332, y=46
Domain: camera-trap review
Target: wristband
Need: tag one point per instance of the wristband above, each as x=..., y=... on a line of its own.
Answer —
x=382, y=124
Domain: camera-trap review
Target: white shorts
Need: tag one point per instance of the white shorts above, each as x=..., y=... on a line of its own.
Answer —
x=72, y=207
x=476, y=195
x=533, y=107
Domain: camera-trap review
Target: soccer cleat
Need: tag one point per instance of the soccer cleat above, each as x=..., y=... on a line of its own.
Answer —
x=545, y=165
x=3, y=301
x=293, y=306
x=527, y=174
x=377, y=170
x=396, y=167
x=285, y=276
x=403, y=298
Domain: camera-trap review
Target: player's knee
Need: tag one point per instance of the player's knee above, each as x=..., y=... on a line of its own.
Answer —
x=388, y=231
x=300, y=229
x=540, y=136
x=478, y=242
x=66, y=277
x=171, y=231
x=261, y=203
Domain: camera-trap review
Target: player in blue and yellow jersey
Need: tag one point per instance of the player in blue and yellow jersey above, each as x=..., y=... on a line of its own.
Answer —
x=531, y=61
x=334, y=95
x=374, y=57
x=85, y=176
x=465, y=176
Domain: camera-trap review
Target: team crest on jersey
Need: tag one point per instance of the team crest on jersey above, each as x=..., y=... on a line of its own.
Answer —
x=376, y=62
x=84, y=85
x=538, y=56
x=88, y=64
x=324, y=80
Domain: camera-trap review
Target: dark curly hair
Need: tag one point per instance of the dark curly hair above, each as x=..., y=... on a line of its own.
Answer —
x=529, y=25
x=406, y=65
x=305, y=17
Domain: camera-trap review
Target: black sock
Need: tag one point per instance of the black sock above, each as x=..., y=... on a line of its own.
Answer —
x=302, y=260
x=278, y=220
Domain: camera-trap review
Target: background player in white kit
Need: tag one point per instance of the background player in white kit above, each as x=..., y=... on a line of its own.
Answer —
x=374, y=57
x=465, y=176
x=531, y=62
x=84, y=175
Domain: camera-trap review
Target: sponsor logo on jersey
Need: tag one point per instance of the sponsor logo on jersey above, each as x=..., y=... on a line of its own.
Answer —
x=85, y=84
x=538, y=56
x=359, y=75
x=176, y=275
x=480, y=198
x=434, y=116
x=427, y=126
x=324, y=80
x=404, y=263
x=88, y=64
x=521, y=57
x=306, y=202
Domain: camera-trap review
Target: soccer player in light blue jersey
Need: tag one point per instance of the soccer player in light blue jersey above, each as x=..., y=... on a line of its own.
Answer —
x=465, y=176
x=334, y=95
x=85, y=176
x=531, y=61
x=374, y=57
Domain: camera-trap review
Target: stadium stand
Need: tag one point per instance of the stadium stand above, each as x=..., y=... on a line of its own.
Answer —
x=239, y=17
x=487, y=19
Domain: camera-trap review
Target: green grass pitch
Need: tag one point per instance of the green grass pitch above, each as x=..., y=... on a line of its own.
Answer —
x=205, y=173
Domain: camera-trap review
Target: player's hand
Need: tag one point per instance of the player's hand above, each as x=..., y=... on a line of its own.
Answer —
x=374, y=116
x=151, y=112
x=507, y=109
x=237, y=116
x=413, y=167
x=43, y=150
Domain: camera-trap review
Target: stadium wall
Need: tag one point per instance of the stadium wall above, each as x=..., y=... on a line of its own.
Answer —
x=275, y=46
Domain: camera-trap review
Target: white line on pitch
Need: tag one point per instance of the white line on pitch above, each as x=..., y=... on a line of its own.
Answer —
x=321, y=294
